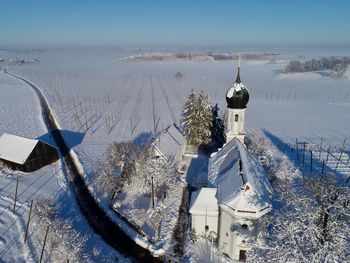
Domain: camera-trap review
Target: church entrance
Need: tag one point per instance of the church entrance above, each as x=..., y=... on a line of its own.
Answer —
x=242, y=255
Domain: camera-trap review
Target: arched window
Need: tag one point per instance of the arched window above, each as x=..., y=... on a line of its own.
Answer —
x=236, y=118
x=244, y=226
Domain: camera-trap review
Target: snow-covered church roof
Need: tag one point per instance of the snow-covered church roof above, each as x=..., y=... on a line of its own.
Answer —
x=169, y=142
x=16, y=149
x=204, y=202
x=243, y=186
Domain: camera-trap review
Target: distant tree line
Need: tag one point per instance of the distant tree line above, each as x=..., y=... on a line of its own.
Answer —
x=338, y=64
x=201, y=56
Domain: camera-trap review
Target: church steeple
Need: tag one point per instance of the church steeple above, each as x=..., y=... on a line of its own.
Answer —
x=237, y=98
x=238, y=79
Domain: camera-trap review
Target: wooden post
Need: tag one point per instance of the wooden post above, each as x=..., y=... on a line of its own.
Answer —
x=327, y=155
x=15, y=199
x=304, y=153
x=341, y=153
x=319, y=157
x=28, y=221
x=311, y=161
x=322, y=167
x=159, y=228
x=296, y=142
x=42, y=250
x=152, y=191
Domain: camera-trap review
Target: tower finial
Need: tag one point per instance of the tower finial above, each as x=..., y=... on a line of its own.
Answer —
x=238, y=79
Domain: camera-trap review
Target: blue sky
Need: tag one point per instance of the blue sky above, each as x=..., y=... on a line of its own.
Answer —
x=175, y=23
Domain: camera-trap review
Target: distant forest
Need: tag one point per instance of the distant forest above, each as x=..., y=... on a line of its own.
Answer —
x=338, y=64
x=206, y=56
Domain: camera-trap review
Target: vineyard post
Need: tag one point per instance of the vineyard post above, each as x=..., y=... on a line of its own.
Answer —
x=304, y=153
x=43, y=248
x=152, y=191
x=341, y=153
x=15, y=199
x=296, y=143
x=28, y=221
x=327, y=155
x=322, y=167
x=311, y=160
x=320, y=148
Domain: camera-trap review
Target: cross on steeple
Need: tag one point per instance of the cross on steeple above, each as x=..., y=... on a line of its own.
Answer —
x=238, y=79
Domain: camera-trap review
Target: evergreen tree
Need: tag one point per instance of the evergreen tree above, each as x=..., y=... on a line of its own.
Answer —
x=189, y=118
x=218, y=127
x=197, y=118
x=205, y=118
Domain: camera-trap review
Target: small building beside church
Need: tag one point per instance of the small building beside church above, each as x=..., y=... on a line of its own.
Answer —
x=241, y=186
x=24, y=154
x=204, y=211
x=170, y=144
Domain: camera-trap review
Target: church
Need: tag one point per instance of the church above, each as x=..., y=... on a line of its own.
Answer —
x=235, y=202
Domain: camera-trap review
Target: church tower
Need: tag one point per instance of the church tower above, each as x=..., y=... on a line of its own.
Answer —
x=237, y=98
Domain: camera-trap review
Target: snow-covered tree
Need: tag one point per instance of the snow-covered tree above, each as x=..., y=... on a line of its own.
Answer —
x=148, y=168
x=218, y=127
x=197, y=118
x=63, y=241
x=112, y=172
x=311, y=226
x=311, y=216
x=190, y=119
x=205, y=118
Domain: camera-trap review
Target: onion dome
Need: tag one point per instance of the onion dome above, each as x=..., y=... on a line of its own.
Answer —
x=237, y=96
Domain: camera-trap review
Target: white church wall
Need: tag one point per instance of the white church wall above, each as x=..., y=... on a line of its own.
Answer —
x=236, y=231
x=225, y=234
x=244, y=229
x=199, y=223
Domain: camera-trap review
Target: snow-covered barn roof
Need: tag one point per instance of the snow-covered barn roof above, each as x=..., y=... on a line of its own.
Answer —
x=16, y=149
x=246, y=192
x=204, y=202
x=169, y=142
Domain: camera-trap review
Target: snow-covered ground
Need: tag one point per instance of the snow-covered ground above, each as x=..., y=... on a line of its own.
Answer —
x=20, y=114
x=99, y=99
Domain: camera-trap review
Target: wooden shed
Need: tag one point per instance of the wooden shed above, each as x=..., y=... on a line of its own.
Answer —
x=24, y=154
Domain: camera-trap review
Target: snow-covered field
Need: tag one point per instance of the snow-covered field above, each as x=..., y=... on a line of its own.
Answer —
x=20, y=114
x=98, y=99
x=106, y=99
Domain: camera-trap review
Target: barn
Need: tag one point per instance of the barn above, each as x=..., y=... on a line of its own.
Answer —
x=24, y=154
